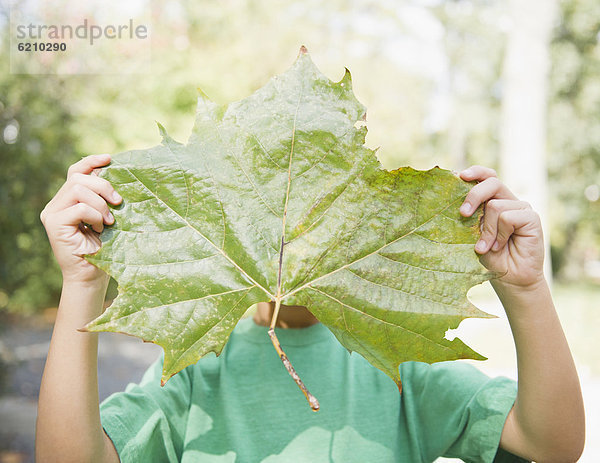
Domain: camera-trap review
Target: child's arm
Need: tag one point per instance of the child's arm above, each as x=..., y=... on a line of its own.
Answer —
x=68, y=424
x=547, y=422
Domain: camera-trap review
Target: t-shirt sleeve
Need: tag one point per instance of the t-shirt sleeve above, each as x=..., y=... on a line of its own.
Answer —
x=456, y=411
x=147, y=422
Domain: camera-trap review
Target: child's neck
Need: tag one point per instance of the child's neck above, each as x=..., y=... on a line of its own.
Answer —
x=290, y=316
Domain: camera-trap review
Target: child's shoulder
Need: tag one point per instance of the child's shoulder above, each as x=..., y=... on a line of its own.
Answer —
x=455, y=382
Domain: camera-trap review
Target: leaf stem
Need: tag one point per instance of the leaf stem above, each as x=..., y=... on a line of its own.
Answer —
x=312, y=400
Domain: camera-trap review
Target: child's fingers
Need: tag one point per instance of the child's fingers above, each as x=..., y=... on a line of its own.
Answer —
x=484, y=191
x=82, y=194
x=478, y=173
x=493, y=209
x=83, y=188
x=83, y=213
x=515, y=222
x=88, y=164
x=97, y=185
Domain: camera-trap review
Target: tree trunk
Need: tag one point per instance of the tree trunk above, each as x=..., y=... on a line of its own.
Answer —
x=523, y=132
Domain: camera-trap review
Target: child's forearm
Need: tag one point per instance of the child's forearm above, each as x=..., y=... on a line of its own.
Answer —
x=68, y=425
x=548, y=416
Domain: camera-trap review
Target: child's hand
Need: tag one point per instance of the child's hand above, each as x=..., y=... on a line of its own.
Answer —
x=81, y=199
x=511, y=241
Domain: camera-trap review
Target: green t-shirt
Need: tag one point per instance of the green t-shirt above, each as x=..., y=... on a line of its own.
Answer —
x=243, y=407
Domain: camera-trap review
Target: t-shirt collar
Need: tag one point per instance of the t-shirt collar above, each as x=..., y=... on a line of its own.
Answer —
x=250, y=331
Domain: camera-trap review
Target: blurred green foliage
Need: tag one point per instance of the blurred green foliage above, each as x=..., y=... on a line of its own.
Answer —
x=574, y=138
x=37, y=144
x=429, y=73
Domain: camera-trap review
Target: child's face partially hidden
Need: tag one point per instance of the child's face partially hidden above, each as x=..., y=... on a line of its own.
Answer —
x=290, y=316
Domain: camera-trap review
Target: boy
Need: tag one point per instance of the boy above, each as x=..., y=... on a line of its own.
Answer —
x=243, y=407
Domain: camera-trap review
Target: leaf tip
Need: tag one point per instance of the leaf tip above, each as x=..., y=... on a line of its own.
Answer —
x=87, y=328
x=399, y=384
x=483, y=314
x=91, y=256
x=346, y=79
x=165, y=378
x=162, y=131
x=202, y=97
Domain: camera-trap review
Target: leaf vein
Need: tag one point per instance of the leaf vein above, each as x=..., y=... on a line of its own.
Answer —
x=217, y=323
x=254, y=187
x=379, y=319
x=378, y=249
x=426, y=268
x=159, y=264
x=187, y=188
x=163, y=306
x=398, y=289
x=222, y=251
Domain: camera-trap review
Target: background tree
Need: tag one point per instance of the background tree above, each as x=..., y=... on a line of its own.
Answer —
x=524, y=105
x=37, y=141
x=574, y=140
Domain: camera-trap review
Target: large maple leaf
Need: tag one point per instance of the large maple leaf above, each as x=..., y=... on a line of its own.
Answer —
x=276, y=198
